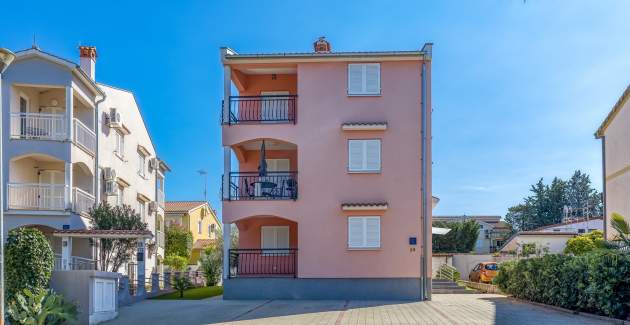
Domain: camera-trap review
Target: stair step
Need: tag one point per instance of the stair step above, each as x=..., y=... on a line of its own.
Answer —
x=449, y=291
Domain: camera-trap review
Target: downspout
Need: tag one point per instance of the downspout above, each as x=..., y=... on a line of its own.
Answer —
x=604, y=185
x=425, y=285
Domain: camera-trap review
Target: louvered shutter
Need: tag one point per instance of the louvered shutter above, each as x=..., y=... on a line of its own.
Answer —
x=355, y=79
x=372, y=232
x=282, y=237
x=268, y=237
x=372, y=154
x=355, y=232
x=355, y=155
x=372, y=78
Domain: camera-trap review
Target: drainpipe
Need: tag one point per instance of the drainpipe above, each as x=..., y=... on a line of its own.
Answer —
x=425, y=285
x=604, y=185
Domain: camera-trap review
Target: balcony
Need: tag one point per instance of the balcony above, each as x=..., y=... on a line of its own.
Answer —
x=38, y=126
x=263, y=262
x=82, y=201
x=39, y=196
x=160, y=198
x=84, y=137
x=277, y=185
x=76, y=263
x=270, y=109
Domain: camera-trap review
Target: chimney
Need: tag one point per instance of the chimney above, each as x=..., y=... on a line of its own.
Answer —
x=87, y=60
x=321, y=45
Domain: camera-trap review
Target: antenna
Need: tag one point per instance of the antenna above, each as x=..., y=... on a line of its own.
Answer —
x=205, y=183
x=34, y=45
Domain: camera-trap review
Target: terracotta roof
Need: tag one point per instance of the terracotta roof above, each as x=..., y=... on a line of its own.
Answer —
x=567, y=223
x=364, y=126
x=103, y=233
x=364, y=206
x=182, y=206
x=611, y=115
x=203, y=243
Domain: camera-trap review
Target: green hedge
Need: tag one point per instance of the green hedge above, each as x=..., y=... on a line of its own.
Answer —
x=596, y=282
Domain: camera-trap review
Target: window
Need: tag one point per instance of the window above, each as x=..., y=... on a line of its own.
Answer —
x=119, y=196
x=141, y=210
x=275, y=237
x=211, y=229
x=581, y=231
x=199, y=225
x=364, y=79
x=142, y=163
x=120, y=145
x=364, y=232
x=364, y=155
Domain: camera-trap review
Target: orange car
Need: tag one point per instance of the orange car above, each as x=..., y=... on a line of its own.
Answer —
x=484, y=272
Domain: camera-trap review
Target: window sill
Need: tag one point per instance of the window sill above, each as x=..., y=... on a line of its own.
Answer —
x=363, y=248
x=364, y=171
x=121, y=157
x=365, y=95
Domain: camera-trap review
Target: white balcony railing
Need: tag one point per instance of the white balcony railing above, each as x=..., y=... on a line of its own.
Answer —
x=24, y=196
x=83, y=201
x=160, y=239
x=75, y=263
x=84, y=137
x=160, y=198
x=38, y=126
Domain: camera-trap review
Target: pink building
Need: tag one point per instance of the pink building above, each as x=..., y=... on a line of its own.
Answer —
x=324, y=163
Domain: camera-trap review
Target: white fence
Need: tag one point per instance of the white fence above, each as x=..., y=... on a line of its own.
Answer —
x=83, y=201
x=25, y=196
x=38, y=126
x=84, y=137
x=75, y=263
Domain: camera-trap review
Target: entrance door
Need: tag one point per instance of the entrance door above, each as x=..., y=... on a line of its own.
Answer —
x=51, y=189
x=274, y=109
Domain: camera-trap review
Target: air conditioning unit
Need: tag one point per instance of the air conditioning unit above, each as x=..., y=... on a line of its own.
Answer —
x=114, y=119
x=109, y=174
x=153, y=206
x=111, y=188
x=153, y=163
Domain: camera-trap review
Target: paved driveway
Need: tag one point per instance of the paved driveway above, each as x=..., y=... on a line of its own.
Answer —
x=444, y=309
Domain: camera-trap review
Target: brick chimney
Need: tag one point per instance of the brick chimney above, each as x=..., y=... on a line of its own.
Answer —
x=87, y=60
x=321, y=45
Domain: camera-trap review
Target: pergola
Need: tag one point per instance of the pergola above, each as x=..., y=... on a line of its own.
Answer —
x=66, y=244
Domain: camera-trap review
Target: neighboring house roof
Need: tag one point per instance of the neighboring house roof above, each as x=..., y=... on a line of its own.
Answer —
x=203, y=243
x=536, y=233
x=182, y=206
x=613, y=113
x=567, y=223
x=103, y=233
x=75, y=68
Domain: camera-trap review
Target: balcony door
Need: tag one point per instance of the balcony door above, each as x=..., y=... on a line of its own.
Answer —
x=51, y=189
x=274, y=109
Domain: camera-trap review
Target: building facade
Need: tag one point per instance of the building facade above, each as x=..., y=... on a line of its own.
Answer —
x=62, y=153
x=614, y=133
x=492, y=231
x=197, y=217
x=327, y=174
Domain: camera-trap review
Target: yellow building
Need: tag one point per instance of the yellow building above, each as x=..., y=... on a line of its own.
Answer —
x=199, y=218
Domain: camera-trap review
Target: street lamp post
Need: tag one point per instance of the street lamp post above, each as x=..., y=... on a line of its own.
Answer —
x=6, y=57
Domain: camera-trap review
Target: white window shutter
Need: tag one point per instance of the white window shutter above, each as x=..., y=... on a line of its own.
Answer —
x=372, y=232
x=372, y=78
x=282, y=237
x=355, y=155
x=355, y=79
x=373, y=154
x=268, y=239
x=355, y=232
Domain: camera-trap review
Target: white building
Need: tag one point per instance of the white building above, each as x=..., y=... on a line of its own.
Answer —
x=70, y=142
x=579, y=226
x=492, y=231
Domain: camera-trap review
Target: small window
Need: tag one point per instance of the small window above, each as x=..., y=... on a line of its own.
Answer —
x=364, y=155
x=141, y=210
x=364, y=79
x=581, y=231
x=199, y=227
x=120, y=144
x=142, y=163
x=119, y=196
x=211, y=229
x=364, y=232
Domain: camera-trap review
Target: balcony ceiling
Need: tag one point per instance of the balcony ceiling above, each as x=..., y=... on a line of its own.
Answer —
x=269, y=145
x=276, y=70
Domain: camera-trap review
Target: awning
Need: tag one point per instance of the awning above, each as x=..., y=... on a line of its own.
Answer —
x=439, y=231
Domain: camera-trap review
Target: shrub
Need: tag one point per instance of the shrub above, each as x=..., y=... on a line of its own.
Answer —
x=29, y=261
x=585, y=243
x=179, y=241
x=177, y=263
x=596, y=282
x=212, y=264
x=41, y=307
x=180, y=284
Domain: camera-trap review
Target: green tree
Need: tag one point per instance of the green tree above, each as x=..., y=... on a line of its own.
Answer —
x=113, y=253
x=461, y=238
x=29, y=261
x=212, y=263
x=177, y=263
x=179, y=241
x=622, y=228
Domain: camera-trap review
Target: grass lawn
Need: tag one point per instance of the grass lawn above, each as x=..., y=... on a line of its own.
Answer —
x=193, y=294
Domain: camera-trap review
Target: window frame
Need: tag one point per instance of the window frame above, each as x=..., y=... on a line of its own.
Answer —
x=364, y=246
x=142, y=164
x=364, y=92
x=141, y=209
x=119, y=149
x=365, y=170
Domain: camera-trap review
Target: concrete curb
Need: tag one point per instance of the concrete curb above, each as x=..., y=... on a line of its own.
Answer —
x=574, y=312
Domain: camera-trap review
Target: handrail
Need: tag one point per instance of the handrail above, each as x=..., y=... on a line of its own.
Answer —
x=84, y=136
x=83, y=200
x=262, y=262
x=45, y=126
x=276, y=185
x=446, y=272
x=264, y=109
x=36, y=196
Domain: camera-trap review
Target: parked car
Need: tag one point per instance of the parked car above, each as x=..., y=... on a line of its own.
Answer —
x=484, y=272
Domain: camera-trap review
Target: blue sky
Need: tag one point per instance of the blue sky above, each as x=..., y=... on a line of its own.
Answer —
x=518, y=88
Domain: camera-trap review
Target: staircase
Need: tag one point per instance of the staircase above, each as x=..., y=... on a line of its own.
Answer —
x=444, y=281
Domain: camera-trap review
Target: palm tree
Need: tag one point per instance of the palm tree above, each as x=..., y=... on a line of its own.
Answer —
x=619, y=223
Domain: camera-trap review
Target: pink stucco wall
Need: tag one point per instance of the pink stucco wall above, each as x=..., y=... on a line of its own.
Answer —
x=324, y=183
